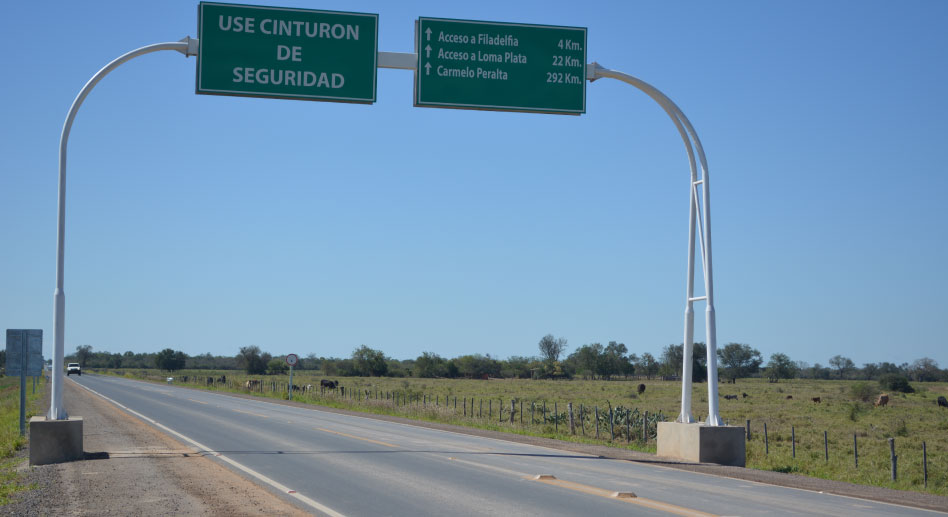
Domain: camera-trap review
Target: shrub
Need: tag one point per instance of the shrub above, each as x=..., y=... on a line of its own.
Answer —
x=896, y=382
x=863, y=391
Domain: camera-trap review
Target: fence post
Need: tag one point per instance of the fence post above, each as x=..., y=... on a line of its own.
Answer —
x=521, y=412
x=855, y=451
x=569, y=408
x=895, y=459
x=597, y=422
x=766, y=443
x=582, y=419
x=480, y=408
x=512, y=407
x=464, y=406
x=533, y=406
x=793, y=441
x=925, y=463
x=544, y=413
x=612, y=427
x=645, y=428
x=628, y=426
x=826, y=451
x=748, y=430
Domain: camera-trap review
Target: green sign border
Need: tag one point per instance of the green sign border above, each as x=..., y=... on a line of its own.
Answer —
x=325, y=98
x=485, y=107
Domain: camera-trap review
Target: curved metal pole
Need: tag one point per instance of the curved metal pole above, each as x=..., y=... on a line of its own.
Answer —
x=188, y=47
x=689, y=137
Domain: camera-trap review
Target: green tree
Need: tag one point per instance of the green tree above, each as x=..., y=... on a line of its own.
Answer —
x=780, y=367
x=277, y=365
x=170, y=360
x=429, y=365
x=368, y=362
x=671, y=362
x=842, y=364
x=925, y=370
x=739, y=360
x=586, y=360
x=83, y=353
x=649, y=365
x=252, y=360
x=614, y=361
x=551, y=348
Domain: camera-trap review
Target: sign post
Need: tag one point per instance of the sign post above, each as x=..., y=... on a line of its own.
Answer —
x=500, y=66
x=286, y=53
x=291, y=360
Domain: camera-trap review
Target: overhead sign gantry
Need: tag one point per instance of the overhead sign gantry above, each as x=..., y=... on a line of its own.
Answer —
x=333, y=56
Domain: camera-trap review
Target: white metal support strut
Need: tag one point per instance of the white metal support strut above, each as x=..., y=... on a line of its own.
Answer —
x=693, y=147
x=188, y=47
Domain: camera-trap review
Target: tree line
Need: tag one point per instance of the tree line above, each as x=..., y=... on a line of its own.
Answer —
x=590, y=361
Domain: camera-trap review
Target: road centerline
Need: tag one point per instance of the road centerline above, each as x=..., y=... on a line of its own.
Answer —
x=347, y=435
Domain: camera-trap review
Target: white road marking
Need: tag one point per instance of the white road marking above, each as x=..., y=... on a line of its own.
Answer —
x=275, y=484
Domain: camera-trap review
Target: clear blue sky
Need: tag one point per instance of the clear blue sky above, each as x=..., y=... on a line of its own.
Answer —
x=208, y=223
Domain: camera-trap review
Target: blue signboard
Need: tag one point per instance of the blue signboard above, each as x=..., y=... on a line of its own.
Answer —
x=33, y=341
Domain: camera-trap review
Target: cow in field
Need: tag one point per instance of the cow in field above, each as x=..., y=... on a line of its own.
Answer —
x=789, y=397
x=744, y=395
x=942, y=401
x=816, y=399
x=252, y=384
x=328, y=384
x=210, y=381
x=882, y=400
x=641, y=389
x=223, y=379
x=730, y=397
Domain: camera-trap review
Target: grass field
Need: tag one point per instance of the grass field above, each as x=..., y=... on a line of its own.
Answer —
x=910, y=419
x=10, y=439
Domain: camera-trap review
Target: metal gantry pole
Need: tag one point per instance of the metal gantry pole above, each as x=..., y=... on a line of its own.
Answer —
x=693, y=147
x=188, y=47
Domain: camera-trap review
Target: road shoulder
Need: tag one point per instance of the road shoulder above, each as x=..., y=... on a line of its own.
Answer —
x=132, y=468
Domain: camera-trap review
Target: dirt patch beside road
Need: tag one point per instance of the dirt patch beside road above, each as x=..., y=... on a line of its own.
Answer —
x=134, y=469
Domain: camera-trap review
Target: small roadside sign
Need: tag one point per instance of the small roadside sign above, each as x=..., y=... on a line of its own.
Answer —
x=500, y=66
x=285, y=53
x=292, y=359
x=24, y=351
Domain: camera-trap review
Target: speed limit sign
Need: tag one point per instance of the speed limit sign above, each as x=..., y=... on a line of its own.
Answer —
x=292, y=359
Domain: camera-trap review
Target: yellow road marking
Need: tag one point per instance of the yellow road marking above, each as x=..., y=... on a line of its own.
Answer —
x=249, y=413
x=356, y=437
x=620, y=496
x=485, y=466
x=198, y=401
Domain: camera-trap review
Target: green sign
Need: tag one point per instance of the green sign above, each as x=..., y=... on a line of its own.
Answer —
x=286, y=53
x=500, y=66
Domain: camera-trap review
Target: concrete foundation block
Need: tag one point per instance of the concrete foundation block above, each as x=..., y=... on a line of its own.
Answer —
x=700, y=443
x=55, y=441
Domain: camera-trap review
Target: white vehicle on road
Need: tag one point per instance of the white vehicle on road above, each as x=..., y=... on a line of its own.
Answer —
x=73, y=368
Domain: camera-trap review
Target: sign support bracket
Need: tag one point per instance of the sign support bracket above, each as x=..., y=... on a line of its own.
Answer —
x=693, y=147
x=186, y=46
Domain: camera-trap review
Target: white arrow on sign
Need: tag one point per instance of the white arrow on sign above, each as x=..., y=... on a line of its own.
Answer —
x=428, y=33
x=427, y=50
x=427, y=68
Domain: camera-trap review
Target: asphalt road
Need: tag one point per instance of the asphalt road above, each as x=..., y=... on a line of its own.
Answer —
x=339, y=464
